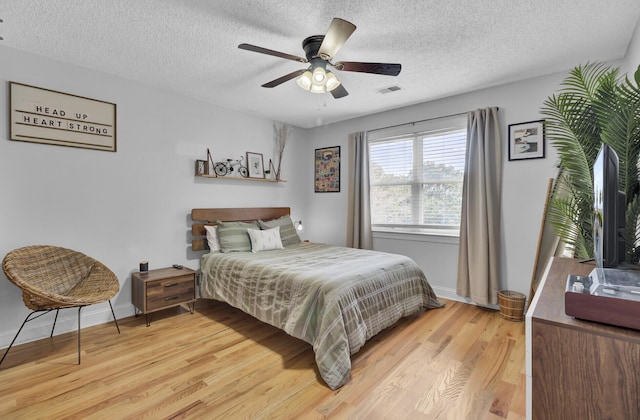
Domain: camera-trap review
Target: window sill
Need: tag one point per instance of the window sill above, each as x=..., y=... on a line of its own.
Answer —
x=445, y=237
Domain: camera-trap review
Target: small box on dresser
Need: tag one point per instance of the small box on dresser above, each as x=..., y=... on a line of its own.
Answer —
x=163, y=288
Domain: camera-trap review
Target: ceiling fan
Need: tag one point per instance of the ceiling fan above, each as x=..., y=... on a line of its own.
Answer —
x=319, y=50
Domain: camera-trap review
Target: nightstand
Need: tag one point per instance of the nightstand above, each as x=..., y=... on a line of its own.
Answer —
x=163, y=288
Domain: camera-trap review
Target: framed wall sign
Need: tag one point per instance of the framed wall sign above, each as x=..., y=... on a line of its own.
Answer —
x=327, y=169
x=526, y=140
x=49, y=117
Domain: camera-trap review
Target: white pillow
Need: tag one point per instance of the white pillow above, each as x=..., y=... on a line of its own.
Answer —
x=212, y=238
x=264, y=240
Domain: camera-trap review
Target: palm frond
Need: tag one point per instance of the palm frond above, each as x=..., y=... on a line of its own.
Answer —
x=563, y=213
x=585, y=80
x=593, y=106
x=632, y=229
x=568, y=135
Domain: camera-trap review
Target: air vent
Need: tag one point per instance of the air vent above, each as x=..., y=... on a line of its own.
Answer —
x=390, y=89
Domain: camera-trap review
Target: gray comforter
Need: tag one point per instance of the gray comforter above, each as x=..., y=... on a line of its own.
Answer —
x=334, y=298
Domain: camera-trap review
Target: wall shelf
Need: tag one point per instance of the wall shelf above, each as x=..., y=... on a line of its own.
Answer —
x=239, y=178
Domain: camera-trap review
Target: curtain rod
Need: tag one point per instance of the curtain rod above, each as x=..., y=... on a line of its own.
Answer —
x=420, y=121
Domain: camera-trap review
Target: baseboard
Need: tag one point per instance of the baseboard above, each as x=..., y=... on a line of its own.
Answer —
x=67, y=321
x=448, y=293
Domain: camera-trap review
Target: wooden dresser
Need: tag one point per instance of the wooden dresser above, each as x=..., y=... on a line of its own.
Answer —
x=577, y=369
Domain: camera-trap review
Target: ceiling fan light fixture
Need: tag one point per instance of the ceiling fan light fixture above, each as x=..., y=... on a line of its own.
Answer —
x=316, y=88
x=332, y=81
x=319, y=75
x=305, y=80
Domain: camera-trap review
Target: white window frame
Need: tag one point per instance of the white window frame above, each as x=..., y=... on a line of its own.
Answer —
x=416, y=132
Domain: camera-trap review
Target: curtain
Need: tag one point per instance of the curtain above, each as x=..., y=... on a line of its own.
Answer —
x=478, y=258
x=359, y=209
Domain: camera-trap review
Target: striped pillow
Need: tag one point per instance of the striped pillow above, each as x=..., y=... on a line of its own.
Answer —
x=233, y=236
x=288, y=232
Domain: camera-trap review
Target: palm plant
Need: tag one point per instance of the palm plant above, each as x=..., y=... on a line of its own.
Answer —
x=594, y=105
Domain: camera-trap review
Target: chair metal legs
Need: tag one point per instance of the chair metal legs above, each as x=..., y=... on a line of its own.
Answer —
x=114, y=317
x=54, y=322
x=79, y=308
x=27, y=319
x=54, y=327
x=44, y=312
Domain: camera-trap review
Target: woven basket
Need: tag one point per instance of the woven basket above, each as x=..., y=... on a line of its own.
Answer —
x=511, y=305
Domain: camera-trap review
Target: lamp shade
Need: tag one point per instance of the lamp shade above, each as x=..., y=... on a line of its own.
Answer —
x=317, y=88
x=304, y=81
x=319, y=75
x=332, y=81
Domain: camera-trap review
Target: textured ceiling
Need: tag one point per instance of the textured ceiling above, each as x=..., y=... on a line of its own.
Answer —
x=445, y=47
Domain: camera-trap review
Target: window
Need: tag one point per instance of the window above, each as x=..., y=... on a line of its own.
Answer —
x=416, y=175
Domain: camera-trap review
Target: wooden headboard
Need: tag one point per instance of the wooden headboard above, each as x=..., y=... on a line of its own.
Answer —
x=203, y=217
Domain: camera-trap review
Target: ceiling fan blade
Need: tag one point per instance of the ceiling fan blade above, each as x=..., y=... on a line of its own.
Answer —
x=386, y=69
x=339, y=31
x=267, y=51
x=339, y=92
x=283, y=79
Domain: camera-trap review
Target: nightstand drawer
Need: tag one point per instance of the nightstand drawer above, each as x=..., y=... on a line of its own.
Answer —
x=171, y=291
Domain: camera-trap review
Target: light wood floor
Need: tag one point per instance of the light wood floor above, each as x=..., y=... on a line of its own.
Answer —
x=458, y=362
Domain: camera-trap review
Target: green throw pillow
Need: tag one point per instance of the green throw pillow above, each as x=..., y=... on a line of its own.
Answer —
x=288, y=232
x=233, y=236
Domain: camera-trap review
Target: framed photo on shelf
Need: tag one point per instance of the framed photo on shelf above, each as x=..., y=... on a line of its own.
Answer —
x=526, y=140
x=255, y=165
x=202, y=167
x=327, y=169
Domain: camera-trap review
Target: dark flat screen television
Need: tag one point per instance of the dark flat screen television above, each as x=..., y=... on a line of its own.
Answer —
x=609, y=210
x=610, y=294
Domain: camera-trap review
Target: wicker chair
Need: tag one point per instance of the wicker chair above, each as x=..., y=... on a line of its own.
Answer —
x=54, y=278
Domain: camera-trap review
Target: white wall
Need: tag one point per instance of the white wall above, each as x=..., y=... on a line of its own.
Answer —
x=632, y=58
x=126, y=206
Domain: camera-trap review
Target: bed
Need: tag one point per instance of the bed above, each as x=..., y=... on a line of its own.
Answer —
x=334, y=298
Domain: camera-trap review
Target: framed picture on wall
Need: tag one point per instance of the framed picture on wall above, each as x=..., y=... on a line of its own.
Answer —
x=526, y=140
x=327, y=169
